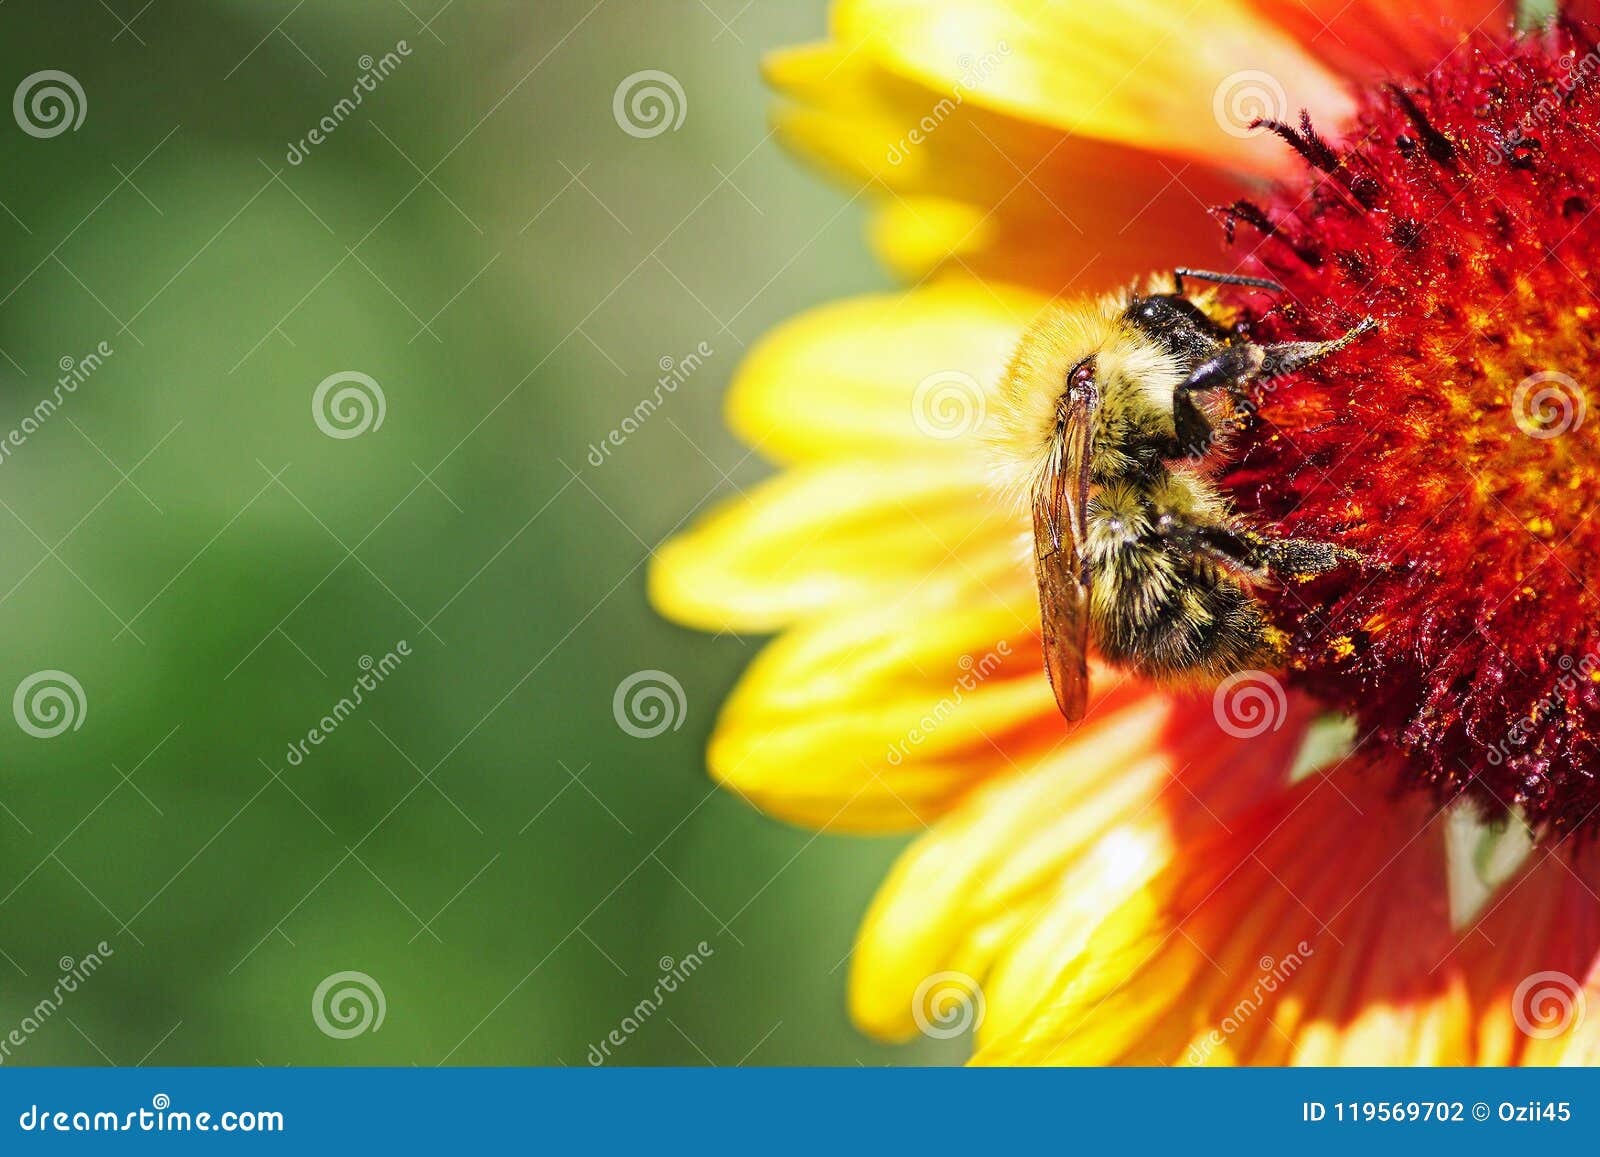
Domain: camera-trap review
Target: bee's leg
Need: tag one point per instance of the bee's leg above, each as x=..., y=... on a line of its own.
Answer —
x=1303, y=557
x=1192, y=433
x=1253, y=555
x=1235, y=367
x=1239, y=551
x=1229, y=369
x=1291, y=356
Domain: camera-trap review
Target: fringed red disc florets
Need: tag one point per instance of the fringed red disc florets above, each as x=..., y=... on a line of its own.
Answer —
x=1458, y=447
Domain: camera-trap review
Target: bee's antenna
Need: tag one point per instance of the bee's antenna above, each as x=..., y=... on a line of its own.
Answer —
x=1222, y=279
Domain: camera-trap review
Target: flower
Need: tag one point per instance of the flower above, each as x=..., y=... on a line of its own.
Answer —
x=1183, y=878
x=1463, y=218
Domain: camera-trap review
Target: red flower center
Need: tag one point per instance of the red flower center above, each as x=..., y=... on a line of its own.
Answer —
x=1457, y=448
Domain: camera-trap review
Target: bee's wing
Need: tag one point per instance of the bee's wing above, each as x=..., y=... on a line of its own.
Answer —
x=1060, y=534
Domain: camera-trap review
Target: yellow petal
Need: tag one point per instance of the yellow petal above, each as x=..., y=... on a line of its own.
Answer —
x=1009, y=885
x=829, y=537
x=1006, y=197
x=914, y=237
x=881, y=718
x=1313, y=931
x=1533, y=957
x=1161, y=74
x=949, y=885
x=909, y=374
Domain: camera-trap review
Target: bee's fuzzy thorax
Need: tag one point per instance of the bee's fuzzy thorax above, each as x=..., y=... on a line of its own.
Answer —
x=1457, y=448
x=1136, y=379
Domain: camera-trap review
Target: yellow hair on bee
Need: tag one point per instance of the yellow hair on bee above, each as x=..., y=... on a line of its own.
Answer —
x=1136, y=378
x=1108, y=427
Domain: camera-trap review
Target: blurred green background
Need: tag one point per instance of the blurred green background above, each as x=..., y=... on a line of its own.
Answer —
x=483, y=240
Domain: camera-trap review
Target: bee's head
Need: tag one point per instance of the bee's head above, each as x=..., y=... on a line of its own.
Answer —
x=1085, y=350
x=1058, y=358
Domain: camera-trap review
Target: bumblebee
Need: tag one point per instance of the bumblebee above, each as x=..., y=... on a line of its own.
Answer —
x=1111, y=422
